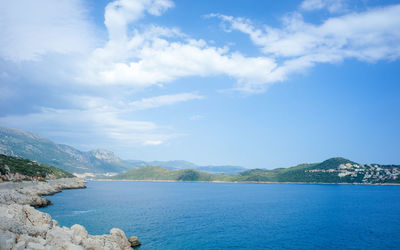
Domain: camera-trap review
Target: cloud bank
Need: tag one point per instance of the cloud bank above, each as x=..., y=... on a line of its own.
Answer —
x=32, y=29
x=141, y=56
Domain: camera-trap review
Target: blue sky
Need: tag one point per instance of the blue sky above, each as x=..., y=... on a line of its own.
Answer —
x=252, y=83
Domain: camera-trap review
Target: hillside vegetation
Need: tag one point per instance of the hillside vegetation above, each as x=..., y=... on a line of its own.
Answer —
x=334, y=170
x=160, y=173
x=14, y=167
x=20, y=143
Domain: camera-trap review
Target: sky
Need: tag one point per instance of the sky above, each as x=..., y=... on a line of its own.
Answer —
x=258, y=84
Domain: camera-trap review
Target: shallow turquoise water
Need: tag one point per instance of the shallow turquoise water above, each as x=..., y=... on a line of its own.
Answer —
x=168, y=215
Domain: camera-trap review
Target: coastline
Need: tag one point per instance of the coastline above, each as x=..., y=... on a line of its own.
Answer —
x=24, y=227
x=256, y=182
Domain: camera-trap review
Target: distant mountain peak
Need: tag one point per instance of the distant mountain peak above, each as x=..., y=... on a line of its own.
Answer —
x=338, y=160
x=104, y=155
x=21, y=132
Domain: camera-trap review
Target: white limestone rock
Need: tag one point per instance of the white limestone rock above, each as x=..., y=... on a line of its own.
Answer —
x=22, y=226
x=35, y=246
x=58, y=237
x=79, y=234
x=119, y=237
x=20, y=245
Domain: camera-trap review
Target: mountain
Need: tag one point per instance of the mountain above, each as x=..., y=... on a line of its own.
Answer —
x=14, y=168
x=177, y=164
x=20, y=143
x=334, y=170
x=180, y=164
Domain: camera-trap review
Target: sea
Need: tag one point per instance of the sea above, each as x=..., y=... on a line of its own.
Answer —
x=193, y=215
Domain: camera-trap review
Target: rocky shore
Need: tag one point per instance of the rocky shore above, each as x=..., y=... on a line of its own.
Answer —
x=24, y=227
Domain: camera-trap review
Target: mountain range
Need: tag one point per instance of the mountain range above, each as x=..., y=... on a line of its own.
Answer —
x=21, y=143
x=180, y=164
x=334, y=170
x=16, y=142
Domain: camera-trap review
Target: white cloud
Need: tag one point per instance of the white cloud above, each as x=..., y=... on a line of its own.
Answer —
x=141, y=56
x=152, y=143
x=196, y=117
x=158, y=55
x=176, y=60
x=332, y=6
x=97, y=128
x=100, y=122
x=312, y=4
x=164, y=100
x=31, y=29
x=120, y=13
x=121, y=105
x=50, y=33
x=369, y=36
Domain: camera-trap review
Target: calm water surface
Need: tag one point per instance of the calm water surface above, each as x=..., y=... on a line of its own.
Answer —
x=168, y=215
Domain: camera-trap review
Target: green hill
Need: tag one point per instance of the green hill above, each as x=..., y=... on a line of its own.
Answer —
x=334, y=170
x=20, y=143
x=179, y=164
x=10, y=165
x=299, y=173
x=159, y=173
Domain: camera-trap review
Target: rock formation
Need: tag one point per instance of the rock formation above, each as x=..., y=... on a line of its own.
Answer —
x=24, y=227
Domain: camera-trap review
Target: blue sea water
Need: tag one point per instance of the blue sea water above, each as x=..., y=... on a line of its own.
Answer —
x=184, y=215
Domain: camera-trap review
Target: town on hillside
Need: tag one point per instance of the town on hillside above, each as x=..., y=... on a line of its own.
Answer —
x=363, y=173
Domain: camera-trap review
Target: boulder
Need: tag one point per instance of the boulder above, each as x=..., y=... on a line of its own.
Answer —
x=118, y=236
x=20, y=245
x=58, y=237
x=35, y=246
x=79, y=234
x=134, y=241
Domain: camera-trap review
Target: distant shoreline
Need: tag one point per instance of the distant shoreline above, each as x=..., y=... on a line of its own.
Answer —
x=256, y=182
